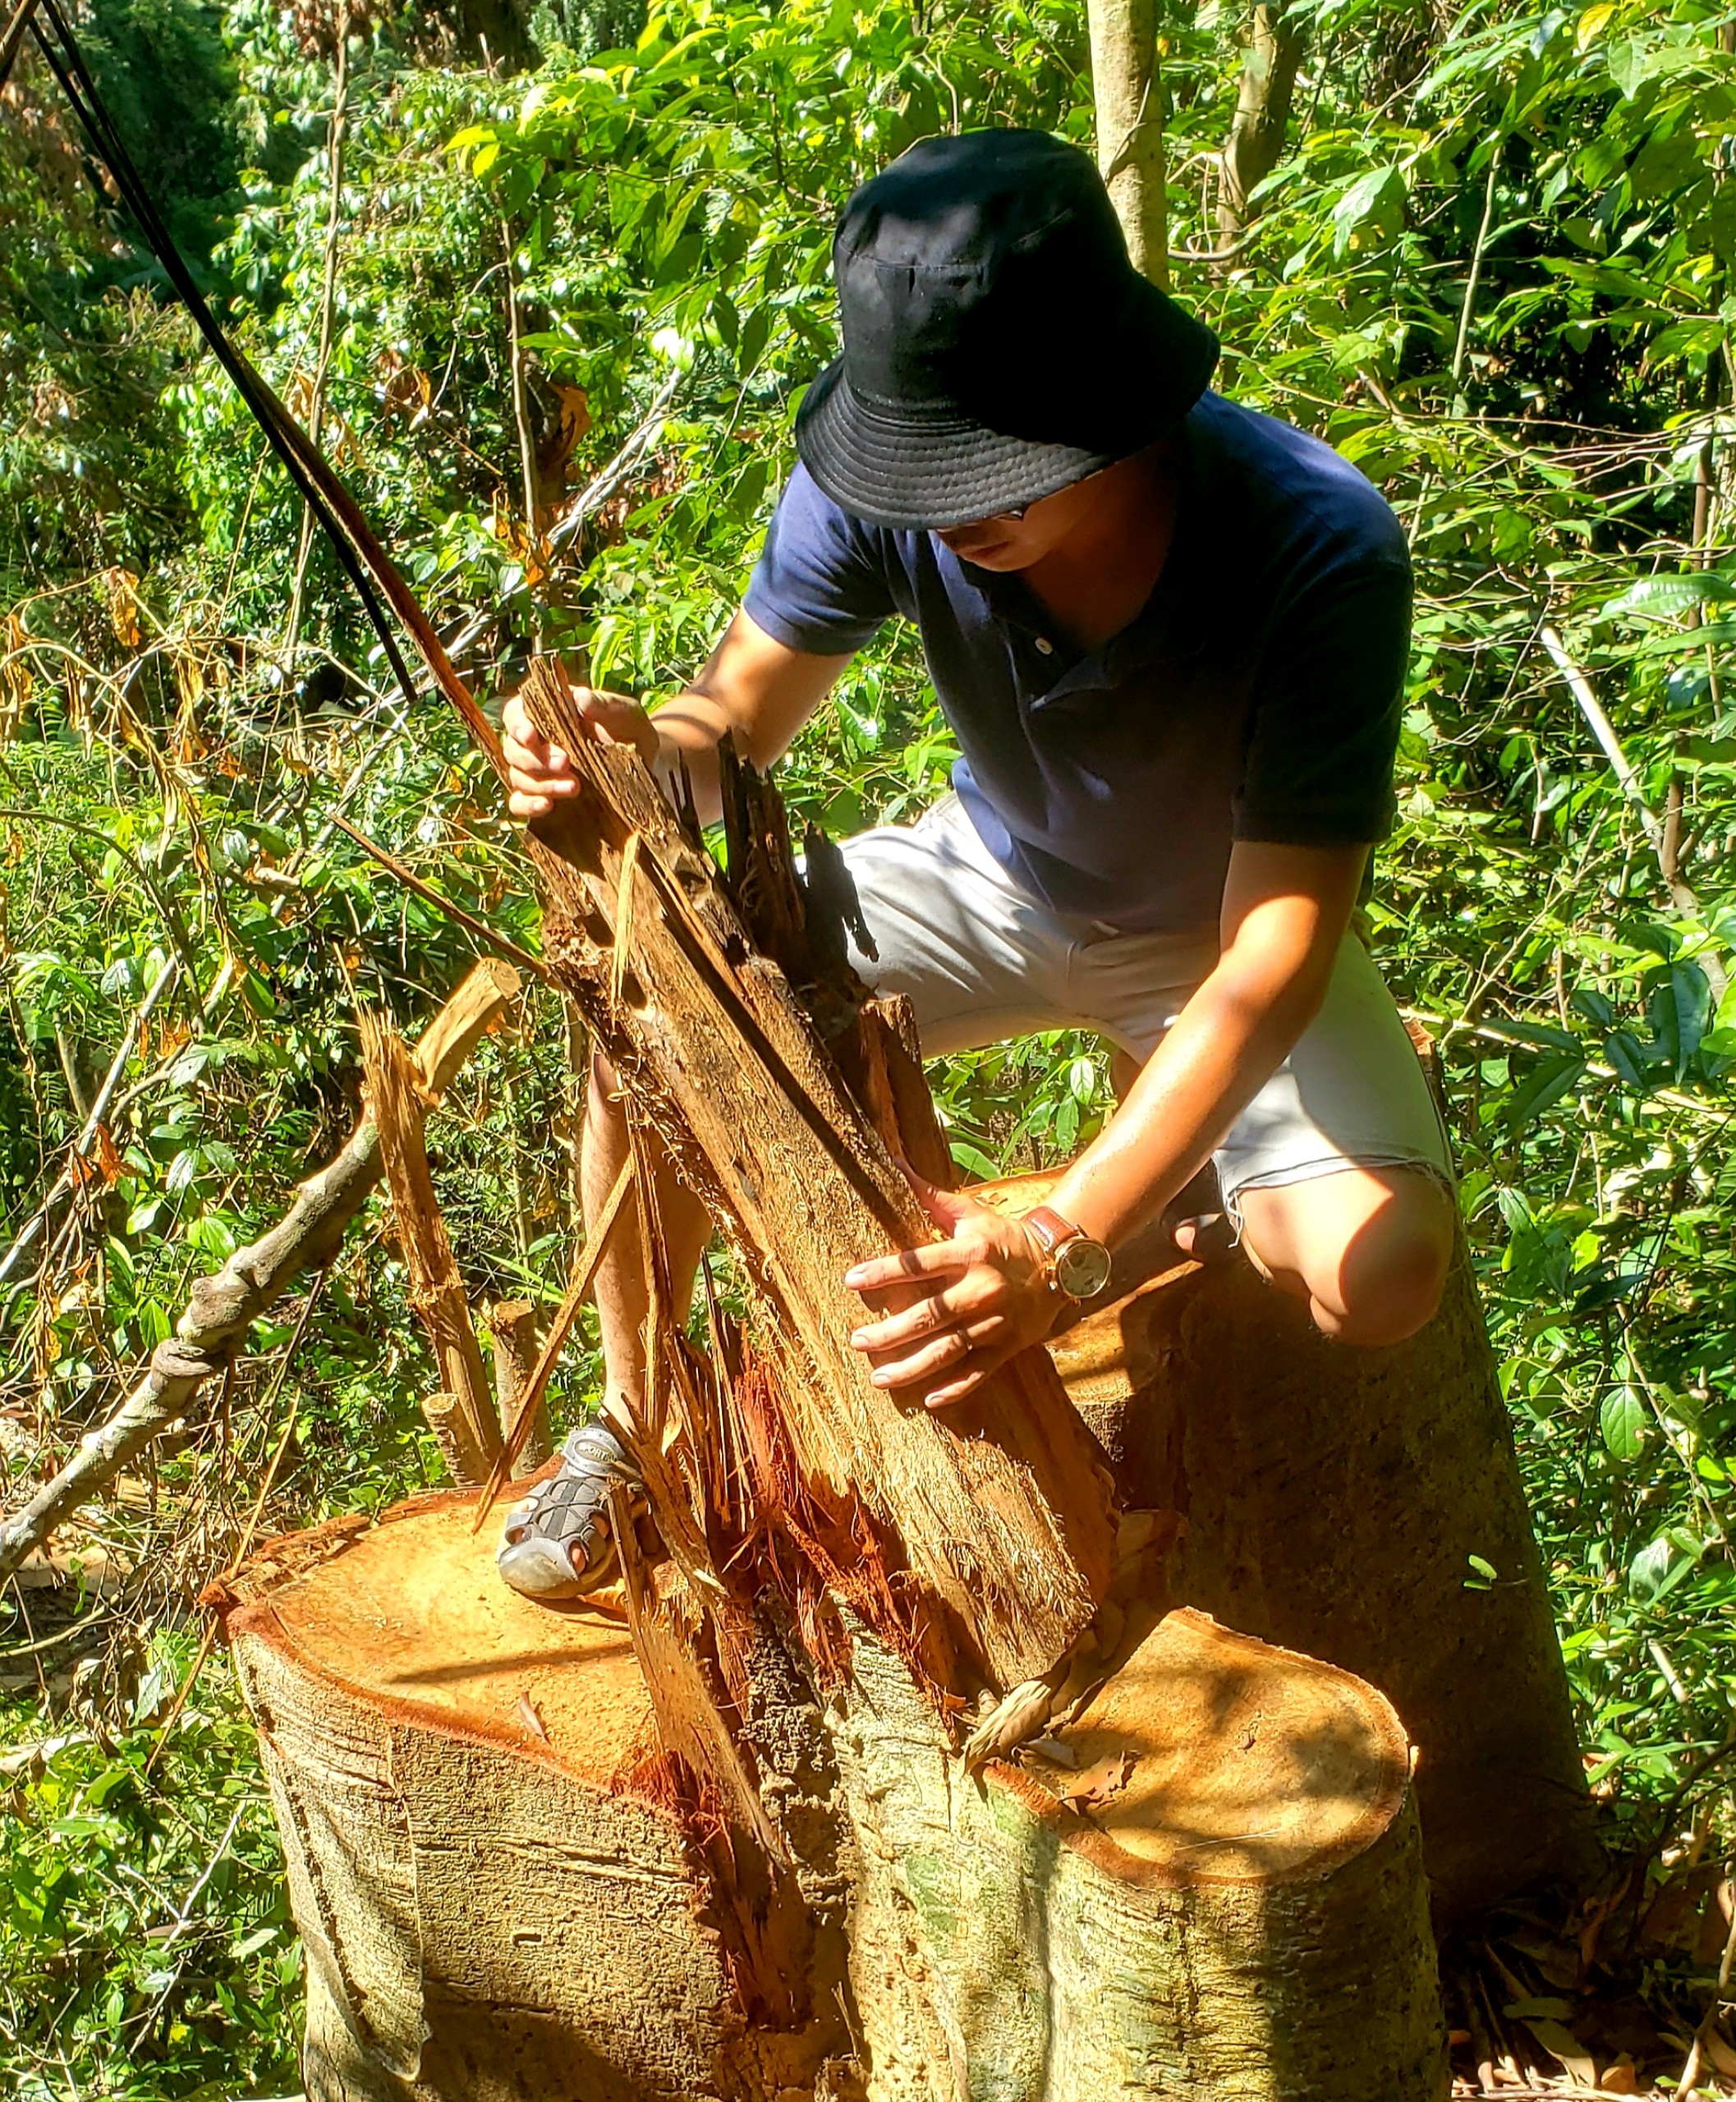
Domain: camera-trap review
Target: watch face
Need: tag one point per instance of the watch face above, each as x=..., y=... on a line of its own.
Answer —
x=1082, y=1268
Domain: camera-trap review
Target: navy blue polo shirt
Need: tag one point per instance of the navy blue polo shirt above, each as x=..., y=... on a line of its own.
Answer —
x=1256, y=696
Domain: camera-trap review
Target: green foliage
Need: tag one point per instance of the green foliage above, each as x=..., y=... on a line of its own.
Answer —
x=144, y=1930
x=1493, y=268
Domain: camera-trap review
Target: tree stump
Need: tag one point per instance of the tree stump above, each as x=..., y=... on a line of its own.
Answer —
x=501, y=1894
x=1333, y=1500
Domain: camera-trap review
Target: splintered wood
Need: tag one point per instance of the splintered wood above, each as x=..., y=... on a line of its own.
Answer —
x=994, y=1524
x=462, y=1416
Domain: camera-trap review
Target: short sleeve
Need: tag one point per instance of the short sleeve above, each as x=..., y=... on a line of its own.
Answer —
x=1327, y=707
x=820, y=584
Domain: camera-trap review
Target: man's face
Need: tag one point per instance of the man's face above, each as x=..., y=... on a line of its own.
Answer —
x=1009, y=543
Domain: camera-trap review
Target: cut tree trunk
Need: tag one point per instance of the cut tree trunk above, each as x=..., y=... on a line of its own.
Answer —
x=1334, y=1500
x=992, y=1530
x=503, y=1891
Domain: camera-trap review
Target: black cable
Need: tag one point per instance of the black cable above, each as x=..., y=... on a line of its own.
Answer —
x=284, y=435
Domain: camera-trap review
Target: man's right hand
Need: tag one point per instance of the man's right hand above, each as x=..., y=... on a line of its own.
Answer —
x=541, y=774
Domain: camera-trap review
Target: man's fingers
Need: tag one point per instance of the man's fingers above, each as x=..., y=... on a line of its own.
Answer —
x=968, y=1343
x=918, y=1365
x=955, y=1390
x=980, y=1365
x=938, y=1259
x=927, y=1315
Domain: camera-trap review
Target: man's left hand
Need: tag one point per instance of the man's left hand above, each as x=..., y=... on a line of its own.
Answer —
x=955, y=1310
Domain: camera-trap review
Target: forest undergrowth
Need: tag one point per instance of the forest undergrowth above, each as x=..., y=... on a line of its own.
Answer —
x=549, y=310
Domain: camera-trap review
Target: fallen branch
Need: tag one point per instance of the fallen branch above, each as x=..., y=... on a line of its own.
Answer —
x=464, y=1424
x=603, y=486
x=471, y=924
x=222, y=1307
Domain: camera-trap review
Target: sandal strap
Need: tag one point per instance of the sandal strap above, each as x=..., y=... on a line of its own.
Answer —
x=573, y=1504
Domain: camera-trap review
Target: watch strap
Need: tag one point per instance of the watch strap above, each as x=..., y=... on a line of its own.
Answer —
x=1051, y=1230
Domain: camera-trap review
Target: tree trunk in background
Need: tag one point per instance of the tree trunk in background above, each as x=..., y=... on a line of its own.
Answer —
x=502, y=1900
x=1128, y=90
x=1256, y=135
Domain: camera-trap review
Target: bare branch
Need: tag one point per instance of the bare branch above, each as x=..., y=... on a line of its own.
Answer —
x=222, y=1307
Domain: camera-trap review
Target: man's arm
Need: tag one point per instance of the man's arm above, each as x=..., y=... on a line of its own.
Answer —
x=753, y=685
x=1285, y=910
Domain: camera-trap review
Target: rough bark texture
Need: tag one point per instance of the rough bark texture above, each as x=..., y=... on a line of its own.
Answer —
x=222, y=1307
x=504, y=1894
x=1245, y=1920
x=1333, y=1499
x=1256, y=133
x=1126, y=88
x=997, y=1524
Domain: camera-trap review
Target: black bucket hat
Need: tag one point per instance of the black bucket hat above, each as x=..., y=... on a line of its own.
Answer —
x=997, y=342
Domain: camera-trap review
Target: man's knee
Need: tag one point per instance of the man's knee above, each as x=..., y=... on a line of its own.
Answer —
x=1389, y=1275
x=1368, y=1250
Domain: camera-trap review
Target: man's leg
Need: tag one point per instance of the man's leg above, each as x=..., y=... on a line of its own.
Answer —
x=1339, y=1172
x=621, y=1302
x=1366, y=1249
x=556, y=1545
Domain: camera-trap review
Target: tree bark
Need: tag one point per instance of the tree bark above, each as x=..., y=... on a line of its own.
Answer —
x=1126, y=87
x=1256, y=135
x=504, y=1893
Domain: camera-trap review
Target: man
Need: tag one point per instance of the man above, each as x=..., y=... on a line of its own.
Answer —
x=1169, y=636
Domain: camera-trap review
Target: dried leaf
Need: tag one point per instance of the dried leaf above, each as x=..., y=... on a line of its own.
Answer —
x=1562, y=2044
x=123, y=607
x=1099, y=1783
x=109, y=1163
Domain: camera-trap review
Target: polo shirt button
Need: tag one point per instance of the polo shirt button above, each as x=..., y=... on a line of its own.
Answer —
x=1045, y=645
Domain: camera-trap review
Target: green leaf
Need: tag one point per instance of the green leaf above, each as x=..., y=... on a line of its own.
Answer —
x=1548, y=1081
x=1622, y=1419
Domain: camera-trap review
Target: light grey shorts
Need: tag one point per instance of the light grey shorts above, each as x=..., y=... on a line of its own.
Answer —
x=982, y=961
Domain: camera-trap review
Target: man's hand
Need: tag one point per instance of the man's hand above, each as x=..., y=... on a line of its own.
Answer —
x=962, y=1306
x=541, y=774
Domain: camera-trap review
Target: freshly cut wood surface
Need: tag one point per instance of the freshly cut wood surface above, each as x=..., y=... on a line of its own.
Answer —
x=1334, y=1499
x=1249, y=1764
x=997, y=1518
x=412, y=1614
x=499, y=1898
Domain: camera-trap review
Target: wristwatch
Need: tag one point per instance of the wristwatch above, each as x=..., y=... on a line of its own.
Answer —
x=1077, y=1266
